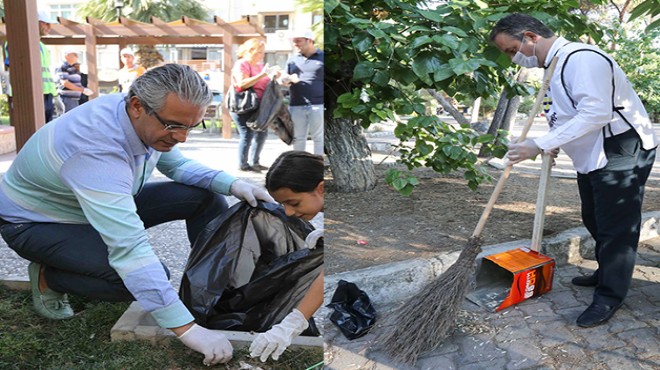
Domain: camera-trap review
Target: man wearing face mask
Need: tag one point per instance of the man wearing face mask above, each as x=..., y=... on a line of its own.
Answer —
x=599, y=121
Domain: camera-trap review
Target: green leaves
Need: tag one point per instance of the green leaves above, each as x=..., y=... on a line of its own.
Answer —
x=424, y=64
x=404, y=183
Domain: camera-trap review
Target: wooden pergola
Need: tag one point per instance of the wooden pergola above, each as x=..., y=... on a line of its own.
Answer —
x=21, y=31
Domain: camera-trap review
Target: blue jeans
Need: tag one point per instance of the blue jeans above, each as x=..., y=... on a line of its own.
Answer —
x=307, y=119
x=69, y=102
x=75, y=257
x=612, y=212
x=248, y=138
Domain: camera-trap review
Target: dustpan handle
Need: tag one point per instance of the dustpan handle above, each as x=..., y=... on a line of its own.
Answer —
x=507, y=170
x=539, y=216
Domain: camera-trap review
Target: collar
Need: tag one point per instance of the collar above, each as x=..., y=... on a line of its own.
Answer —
x=554, y=49
x=134, y=142
x=317, y=51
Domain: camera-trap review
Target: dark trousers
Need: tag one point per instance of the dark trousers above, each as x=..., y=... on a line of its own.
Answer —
x=76, y=258
x=612, y=212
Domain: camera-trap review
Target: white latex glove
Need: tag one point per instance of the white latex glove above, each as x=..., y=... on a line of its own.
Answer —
x=279, y=337
x=526, y=149
x=211, y=343
x=249, y=192
x=313, y=237
x=88, y=91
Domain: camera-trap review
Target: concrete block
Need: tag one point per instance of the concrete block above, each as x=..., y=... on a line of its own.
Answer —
x=136, y=324
x=16, y=282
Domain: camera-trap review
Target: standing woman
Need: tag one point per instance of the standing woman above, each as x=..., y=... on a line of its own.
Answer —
x=249, y=71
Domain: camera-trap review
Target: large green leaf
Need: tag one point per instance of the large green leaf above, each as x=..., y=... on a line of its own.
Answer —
x=363, y=71
x=425, y=64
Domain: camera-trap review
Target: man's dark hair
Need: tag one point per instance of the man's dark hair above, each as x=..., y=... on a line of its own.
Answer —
x=516, y=23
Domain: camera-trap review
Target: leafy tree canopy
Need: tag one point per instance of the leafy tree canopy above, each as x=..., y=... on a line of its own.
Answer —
x=143, y=10
x=380, y=53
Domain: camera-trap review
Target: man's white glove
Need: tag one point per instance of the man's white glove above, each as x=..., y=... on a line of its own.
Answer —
x=526, y=149
x=211, y=343
x=249, y=192
x=279, y=337
x=88, y=91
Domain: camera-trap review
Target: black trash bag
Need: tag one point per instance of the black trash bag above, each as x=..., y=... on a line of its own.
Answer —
x=354, y=314
x=249, y=268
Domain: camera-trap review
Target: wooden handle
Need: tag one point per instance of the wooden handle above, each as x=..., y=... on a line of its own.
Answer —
x=507, y=170
x=539, y=215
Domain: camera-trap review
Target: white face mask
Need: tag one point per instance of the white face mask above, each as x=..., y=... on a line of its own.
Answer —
x=523, y=60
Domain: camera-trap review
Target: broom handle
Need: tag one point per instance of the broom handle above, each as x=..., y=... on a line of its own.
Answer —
x=507, y=170
x=539, y=216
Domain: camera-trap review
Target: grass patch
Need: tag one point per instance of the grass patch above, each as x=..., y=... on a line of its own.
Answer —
x=28, y=341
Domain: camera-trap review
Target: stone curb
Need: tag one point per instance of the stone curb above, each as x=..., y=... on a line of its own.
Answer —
x=394, y=282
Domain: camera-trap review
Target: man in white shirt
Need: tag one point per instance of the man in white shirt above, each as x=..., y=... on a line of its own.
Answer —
x=599, y=121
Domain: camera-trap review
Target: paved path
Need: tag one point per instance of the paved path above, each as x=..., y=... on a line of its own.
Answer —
x=539, y=333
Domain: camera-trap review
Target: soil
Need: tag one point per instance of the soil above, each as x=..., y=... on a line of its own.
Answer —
x=381, y=226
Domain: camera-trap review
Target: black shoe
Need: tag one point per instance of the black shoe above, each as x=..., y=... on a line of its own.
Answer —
x=259, y=167
x=249, y=169
x=596, y=314
x=591, y=280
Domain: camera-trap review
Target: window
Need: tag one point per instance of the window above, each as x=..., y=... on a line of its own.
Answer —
x=277, y=58
x=198, y=53
x=317, y=17
x=277, y=22
x=67, y=11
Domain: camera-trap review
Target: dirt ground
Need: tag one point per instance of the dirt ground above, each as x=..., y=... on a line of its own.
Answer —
x=382, y=226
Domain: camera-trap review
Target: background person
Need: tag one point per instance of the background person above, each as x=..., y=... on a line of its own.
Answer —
x=49, y=87
x=76, y=201
x=599, y=121
x=306, y=93
x=70, y=87
x=295, y=180
x=250, y=71
x=130, y=71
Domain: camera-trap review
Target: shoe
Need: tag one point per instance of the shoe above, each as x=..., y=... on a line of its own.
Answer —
x=596, y=314
x=591, y=280
x=49, y=304
x=249, y=169
x=259, y=167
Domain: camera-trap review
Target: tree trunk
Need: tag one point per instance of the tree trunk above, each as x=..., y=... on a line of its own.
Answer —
x=458, y=116
x=506, y=110
x=349, y=156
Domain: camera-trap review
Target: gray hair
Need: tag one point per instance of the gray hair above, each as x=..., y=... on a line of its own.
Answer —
x=154, y=85
x=516, y=24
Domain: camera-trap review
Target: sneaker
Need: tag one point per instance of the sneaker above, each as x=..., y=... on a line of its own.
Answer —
x=259, y=167
x=49, y=304
x=249, y=169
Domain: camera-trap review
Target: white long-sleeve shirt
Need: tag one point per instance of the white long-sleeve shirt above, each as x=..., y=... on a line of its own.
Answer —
x=579, y=104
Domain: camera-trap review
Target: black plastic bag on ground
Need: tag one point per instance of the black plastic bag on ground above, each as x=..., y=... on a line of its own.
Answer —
x=249, y=268
x=354, y=314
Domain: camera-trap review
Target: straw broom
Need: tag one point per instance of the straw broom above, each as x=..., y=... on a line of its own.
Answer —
x=422, y=323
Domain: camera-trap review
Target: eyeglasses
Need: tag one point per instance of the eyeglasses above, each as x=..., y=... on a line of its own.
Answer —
x=177, y=126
